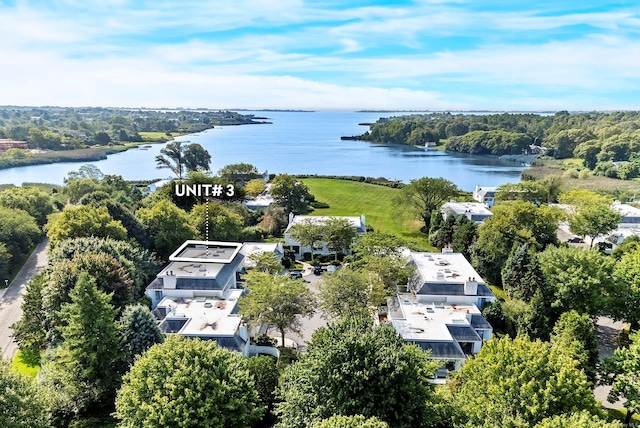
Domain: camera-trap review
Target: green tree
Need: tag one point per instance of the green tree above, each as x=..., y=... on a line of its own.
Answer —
x=339, y=234
x=424, y=195
x=139, y=331
x=223, y=224
x=579, y=279
x=30, y=199
x=581, y=419
x=266, y=262
x=255, y=187
x=18, y=232
x=309, y=233
x=89, y=358
x=22, y=403
x=290, y=193
x=108, y=274
x=265, y=375
x=513, y=223
x=195, y=157
x=377, y=244
x=168, y=226
x=594, y=221
x=277, y=301
x=29, y=331
x=625, y=297
x=82, y=221
x=521, y=274
x=391, y=270
x=518, y=383
x=138, y=262
x=172, y=158
x=188, y=383
x=347, y=293
x=357, y=421
x=238, y=173
x=464, y=235
x=575, y=334
x=355, y=368
x=622, y=372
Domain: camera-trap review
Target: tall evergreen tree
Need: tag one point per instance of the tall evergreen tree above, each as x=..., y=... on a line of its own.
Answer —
x=138, y=332
x=86, y=365
x=521, y=275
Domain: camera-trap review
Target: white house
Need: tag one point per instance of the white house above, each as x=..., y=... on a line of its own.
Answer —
x=447, y=278
x=358, y=224
x=196, y=294
x=439, y=309
x=631, y=215
x=198, y=269
x=485, y=195
x=250, y=248
x=450, y=332
x=155, y=186
x=474, y=211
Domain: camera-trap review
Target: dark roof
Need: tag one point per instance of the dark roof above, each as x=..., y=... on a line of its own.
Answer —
x=463, y=333
x=231, y=343
x=445, y=350
x=478, y=322
x=449, y=289
x=172, y=325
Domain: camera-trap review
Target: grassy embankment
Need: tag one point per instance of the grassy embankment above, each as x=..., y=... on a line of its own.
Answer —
x=90, y=154
x=352, y=198
x=573, y=176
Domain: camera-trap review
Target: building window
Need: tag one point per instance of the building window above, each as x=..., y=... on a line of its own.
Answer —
x=158, y=295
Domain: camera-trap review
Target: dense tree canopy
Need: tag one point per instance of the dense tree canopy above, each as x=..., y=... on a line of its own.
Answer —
x=513, y=223
x=168, y=226
x=82, y=221
x=354, y=368
x=188, y=383
x=357, y=421
x=223, y=224
x=33, y=200
x=138, y=331
x=622, y=372
x=519, y=383
x=22, y=403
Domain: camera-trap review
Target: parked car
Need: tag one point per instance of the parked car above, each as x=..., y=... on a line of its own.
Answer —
x=317, y=270
x=295, y=274
x=575, y=240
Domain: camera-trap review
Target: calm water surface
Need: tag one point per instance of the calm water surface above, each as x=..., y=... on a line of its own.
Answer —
x=298, y=143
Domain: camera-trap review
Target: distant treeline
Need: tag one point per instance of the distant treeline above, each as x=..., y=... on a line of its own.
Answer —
x=608, y=143
x=57, y=128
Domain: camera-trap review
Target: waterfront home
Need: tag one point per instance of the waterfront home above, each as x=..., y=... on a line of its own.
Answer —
x=474, y=211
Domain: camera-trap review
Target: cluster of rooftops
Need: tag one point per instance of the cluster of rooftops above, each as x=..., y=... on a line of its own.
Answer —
x=197, y=293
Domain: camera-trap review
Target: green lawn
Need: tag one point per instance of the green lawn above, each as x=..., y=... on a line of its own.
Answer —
x=352, y=198
x=21, y=365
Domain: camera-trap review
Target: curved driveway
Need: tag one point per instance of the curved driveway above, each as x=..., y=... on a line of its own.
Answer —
x=11, y=298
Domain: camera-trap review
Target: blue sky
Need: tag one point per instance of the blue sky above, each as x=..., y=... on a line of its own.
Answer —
x=423, y=54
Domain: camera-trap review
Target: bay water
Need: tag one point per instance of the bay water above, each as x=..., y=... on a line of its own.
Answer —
x=298, y=143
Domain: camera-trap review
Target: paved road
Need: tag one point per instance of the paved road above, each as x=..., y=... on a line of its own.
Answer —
x=11, y=298
x=607, y=332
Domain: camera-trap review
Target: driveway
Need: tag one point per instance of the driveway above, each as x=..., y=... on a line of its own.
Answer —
x=607, y=331
x=309, y=325
x=11, y=298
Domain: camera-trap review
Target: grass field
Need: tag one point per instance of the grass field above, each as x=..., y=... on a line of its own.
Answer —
x=29, y=368
x=352, y=198
x=157, y=136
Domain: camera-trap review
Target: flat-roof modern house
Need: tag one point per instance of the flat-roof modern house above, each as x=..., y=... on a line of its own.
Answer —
x=630, y=215
x=474, y=211
x=450, y=332
x=198, y=269
x=447, y=278
x=485, y=195
x=438, y=309
x=358, y=224
x=196, y=294
x=254, y=248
